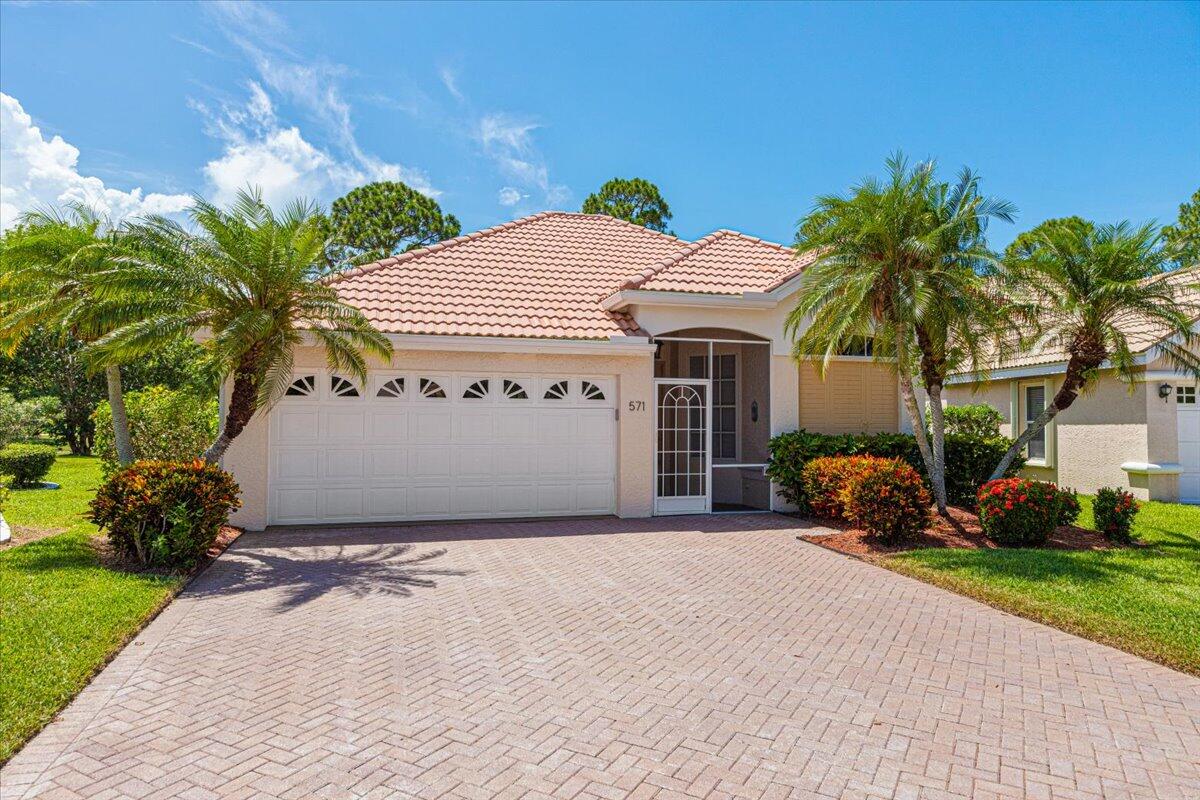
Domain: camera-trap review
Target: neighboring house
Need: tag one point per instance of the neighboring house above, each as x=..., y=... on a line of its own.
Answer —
x=562, y=364
x=1143, y=436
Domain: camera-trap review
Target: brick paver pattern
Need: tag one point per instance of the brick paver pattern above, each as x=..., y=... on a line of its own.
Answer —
x=686, y=658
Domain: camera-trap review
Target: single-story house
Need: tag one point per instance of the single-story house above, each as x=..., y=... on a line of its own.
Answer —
x=1143, y=436
x=561, y=364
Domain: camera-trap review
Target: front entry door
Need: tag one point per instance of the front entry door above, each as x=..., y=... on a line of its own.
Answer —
x=683, y=444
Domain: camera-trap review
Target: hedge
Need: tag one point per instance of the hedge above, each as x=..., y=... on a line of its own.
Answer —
x=969, y=460
x=26, y=463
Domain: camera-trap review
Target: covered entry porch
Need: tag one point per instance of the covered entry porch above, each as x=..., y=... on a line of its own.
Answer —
x=712, y=397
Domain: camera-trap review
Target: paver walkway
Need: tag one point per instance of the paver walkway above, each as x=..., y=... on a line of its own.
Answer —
x=686, y=658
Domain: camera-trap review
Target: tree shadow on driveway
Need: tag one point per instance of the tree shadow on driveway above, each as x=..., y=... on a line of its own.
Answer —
x=392, y=569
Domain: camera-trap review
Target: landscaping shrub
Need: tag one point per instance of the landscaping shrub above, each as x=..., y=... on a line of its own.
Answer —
x=977, y=420
x=1114, y=510
x=825, y=480
x=165, y=513
x=969, y=460
x=1068, y=507
x=887, y=498
x=164, y=425
x=1018, y=512
x=26, y=463
x=27, y=420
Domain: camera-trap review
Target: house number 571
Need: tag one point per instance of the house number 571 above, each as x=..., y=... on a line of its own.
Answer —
x=637, y=405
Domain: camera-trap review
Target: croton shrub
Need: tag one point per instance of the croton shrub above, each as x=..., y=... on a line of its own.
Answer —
x=887, y=498
x=165, y=513
x=1019, y=512
x=1114, y=510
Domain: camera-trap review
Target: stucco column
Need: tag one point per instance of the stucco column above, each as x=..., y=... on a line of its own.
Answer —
x=785, y=409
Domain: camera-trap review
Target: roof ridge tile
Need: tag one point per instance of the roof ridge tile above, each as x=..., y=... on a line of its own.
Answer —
x=672, y=260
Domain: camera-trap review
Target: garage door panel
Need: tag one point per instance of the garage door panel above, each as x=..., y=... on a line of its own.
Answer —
x=556, y=427
x=515, y=499
x=473, y=425
x=343, y=464
x=473, y=462
x=594, y=498
x=472, y=500
x=296, y=425
x=429, y=501
x=345, y=502
x=387, y=463
x=296, y=505
x=529, y=447
x=296, y=464
x=556, y=498
x=388, y=426
x=343, y=425
x=429, y=462
x=430, y=425
x=595, y=426
x=515, y=461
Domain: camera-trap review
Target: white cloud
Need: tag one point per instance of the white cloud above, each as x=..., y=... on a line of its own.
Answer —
x=36, y=172
x=257, y=140
x=509, y=142
x=260, y=152
x=509, y=196
x=450, y=81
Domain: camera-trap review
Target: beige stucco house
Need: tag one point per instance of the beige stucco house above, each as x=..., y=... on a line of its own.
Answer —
x=1143, y=436
x=562, y=364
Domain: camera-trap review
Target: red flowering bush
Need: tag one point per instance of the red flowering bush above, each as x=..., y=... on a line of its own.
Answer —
x=887, y=499
x=1018, y=512
x=1068, y=507
x=824, y=481
x=1114, y=510
x=165, y=513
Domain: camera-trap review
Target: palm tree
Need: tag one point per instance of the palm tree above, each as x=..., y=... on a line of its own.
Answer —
x=1086, y=284
x=49, y=261
x=902, y=262
x=242, y=283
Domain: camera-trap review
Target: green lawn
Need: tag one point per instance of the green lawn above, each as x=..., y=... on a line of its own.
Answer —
x=62, y=615
x=1143, y=600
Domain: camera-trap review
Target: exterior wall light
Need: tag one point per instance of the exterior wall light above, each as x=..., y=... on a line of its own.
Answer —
x=1164, y=391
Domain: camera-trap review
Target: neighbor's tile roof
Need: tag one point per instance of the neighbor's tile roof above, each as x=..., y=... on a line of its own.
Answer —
x=725, y=262
x=1141, y=334
x=545, y=277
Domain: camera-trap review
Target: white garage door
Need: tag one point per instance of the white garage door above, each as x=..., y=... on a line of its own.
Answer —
x=416, y=446
x=1187, y=408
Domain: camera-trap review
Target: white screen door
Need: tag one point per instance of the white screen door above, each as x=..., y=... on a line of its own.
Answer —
x=683, y=443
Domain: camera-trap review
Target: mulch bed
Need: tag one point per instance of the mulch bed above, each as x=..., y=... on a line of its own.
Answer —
x=961, y=530
x=113, y=560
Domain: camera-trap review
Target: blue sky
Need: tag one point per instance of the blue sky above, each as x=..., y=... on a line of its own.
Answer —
x=740, y=113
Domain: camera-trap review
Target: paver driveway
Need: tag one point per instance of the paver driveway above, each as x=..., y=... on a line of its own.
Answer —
x=693, y=657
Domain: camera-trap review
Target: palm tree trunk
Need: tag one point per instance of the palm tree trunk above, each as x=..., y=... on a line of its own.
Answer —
x=937, y=425
x=120, y=419
x=917, y=419
x=1073, y=383
x=243, y=402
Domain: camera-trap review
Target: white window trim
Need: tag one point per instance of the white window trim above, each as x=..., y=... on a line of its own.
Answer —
x=1017, y=416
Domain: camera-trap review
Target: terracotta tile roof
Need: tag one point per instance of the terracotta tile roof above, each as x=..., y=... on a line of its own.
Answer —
x=725, y=262
x=1141, y=334
x=540, y=277
x=545, y=277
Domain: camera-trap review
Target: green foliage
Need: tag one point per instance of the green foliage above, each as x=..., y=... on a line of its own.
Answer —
x=165, y=513
x=27, y=420
x=165, y=425
x=26, y=463
x=5, y=493
x=244, y=275
x=635, y=200
x=1183, y=238
x=1018, y=512
x=978, y=420
x=1069, y=507
x=1027, y=243
x=969, y=460
x=380, y=219
x=1114, y=510
x=888, y=500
